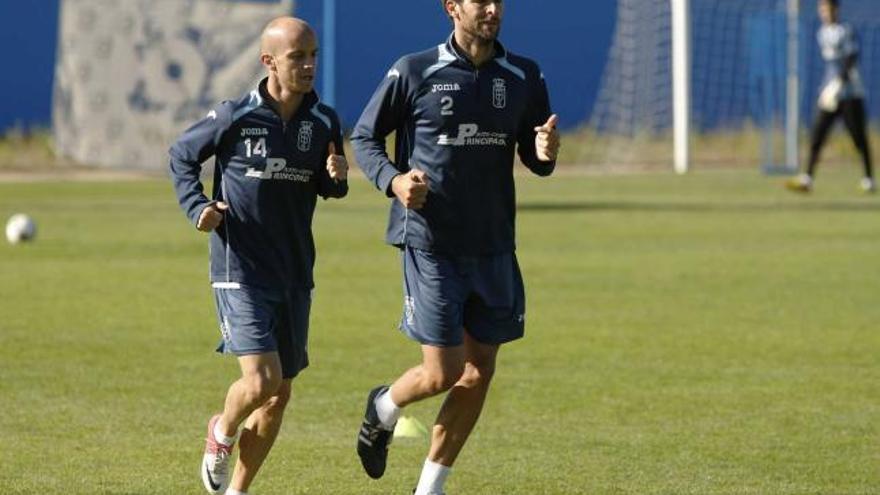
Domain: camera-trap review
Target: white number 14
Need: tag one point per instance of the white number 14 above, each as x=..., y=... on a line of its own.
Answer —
x=258, y=149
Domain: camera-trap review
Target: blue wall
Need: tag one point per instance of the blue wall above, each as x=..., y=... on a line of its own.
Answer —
x=570, y=40
x=28, y=42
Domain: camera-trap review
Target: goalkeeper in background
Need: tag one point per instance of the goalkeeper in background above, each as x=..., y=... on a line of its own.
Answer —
x=842, y=95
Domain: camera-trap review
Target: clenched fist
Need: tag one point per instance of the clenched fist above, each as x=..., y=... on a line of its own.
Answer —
x=411, y=189
x=211, y=216
x=337, y=166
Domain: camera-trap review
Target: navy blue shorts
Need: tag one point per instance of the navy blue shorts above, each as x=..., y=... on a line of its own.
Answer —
x=254, y=320
x=444, y=296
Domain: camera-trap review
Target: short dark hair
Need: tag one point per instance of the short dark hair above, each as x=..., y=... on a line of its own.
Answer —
x=833, y=3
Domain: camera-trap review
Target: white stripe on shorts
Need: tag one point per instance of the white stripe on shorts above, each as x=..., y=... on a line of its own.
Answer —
x=226, y=285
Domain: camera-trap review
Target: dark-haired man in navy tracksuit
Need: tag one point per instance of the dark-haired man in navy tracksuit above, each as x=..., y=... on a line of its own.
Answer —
x=276, y=150
x=461, y=111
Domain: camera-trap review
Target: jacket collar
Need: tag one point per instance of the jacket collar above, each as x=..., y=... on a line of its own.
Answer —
x=309, y=99
x=453, y=48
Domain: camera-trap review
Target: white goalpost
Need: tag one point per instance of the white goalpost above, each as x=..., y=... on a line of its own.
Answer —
x=707, y=83
x=681, y=93
x=681, y=83
x=793, y=89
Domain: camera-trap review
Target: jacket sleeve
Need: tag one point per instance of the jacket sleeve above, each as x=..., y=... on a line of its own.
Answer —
x=850, y=53
x=385, y=113
x=327, y=187
x=536, y=115
x=192, y=148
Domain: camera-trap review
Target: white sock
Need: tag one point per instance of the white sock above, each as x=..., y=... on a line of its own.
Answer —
x=432, y=479
x=230, y=491
x=220, y=437
x=387, y=410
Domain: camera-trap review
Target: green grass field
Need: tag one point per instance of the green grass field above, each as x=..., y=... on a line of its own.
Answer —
x=707, y=334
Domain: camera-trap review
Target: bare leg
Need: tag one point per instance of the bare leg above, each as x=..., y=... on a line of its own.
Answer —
x=464, y=403
x=260, y=380
x=259, y=433
x=441, y=368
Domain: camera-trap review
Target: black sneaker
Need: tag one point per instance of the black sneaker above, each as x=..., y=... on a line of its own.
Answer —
x=373, y=439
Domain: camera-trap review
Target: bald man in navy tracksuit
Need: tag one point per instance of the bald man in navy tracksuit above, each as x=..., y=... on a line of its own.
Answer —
x=276, y=150
x=461, y=112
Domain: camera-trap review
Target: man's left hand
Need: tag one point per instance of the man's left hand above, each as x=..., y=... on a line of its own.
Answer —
x=547, y=140
x=337, y=166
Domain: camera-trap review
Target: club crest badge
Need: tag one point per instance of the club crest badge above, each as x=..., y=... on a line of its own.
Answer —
x=499, y=93
x=304, y=138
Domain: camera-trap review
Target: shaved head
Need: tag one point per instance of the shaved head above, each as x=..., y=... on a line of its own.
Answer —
x=289, y=52
x=282, y=32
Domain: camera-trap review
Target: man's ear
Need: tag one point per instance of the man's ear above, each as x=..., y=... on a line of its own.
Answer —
x=450, y=11
x=268, y=61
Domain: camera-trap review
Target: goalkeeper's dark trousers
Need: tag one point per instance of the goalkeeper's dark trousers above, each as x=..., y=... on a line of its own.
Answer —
x=853, y=113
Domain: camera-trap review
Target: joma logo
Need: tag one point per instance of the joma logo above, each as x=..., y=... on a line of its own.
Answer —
x=436, y=88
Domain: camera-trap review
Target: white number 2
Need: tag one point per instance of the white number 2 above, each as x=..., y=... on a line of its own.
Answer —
x=446, y=105
x=258, y=149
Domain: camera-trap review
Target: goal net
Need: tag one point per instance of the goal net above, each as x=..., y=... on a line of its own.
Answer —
x=740, y=78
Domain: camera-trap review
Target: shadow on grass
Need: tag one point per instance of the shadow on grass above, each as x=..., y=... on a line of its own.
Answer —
x=673, y=206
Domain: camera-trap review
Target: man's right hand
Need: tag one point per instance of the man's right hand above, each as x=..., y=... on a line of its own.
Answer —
x=411, y=189
x=211, y=216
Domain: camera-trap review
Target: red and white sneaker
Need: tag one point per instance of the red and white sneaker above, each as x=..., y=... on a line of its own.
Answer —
x=215, y=462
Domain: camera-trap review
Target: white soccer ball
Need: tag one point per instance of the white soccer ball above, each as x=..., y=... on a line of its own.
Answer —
x=20, y=228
